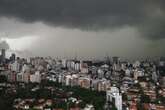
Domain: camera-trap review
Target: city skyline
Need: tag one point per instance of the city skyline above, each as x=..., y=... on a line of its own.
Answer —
x=82, y=54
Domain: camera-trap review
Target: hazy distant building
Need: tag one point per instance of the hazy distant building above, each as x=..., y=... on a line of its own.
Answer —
x=100, y=73
x=11, y=77
x=64, y=63
x=74, y=80
x=161, y=63
x=19, y=77
x=26, y=77
x=138, y=73
x=136, y=64
x=115, y=60
x=116, y=67
x=68, y=80
x=68, y=64
x=84, y=82
x=127, y=72
x=15, y=66
x=3, y=56
x=77, y=66
x=83, y=67
x=25, y=68
x=35, y=78
x=103, y=85
x=72, y=65
x=12, y=57
x=154, y=76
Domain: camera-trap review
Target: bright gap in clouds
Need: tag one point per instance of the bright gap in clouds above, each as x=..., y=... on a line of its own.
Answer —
x=20, y=44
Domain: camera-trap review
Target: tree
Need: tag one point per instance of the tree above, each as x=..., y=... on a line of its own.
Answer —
x=145, y=98
x=3, y=78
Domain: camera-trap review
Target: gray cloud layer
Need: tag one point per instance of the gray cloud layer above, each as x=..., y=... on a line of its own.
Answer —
x=33, y=39
x=148, y=16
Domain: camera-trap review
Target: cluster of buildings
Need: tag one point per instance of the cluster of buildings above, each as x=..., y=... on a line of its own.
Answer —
x=125, y=82
x=19, y=71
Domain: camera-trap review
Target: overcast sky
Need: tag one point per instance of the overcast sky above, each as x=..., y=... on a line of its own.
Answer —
x=86, y=28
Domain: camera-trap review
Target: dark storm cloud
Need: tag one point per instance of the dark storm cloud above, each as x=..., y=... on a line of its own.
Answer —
x=154, y=29
x=146, y=15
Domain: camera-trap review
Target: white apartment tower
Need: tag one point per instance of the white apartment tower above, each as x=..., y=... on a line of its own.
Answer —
x=115, y=97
